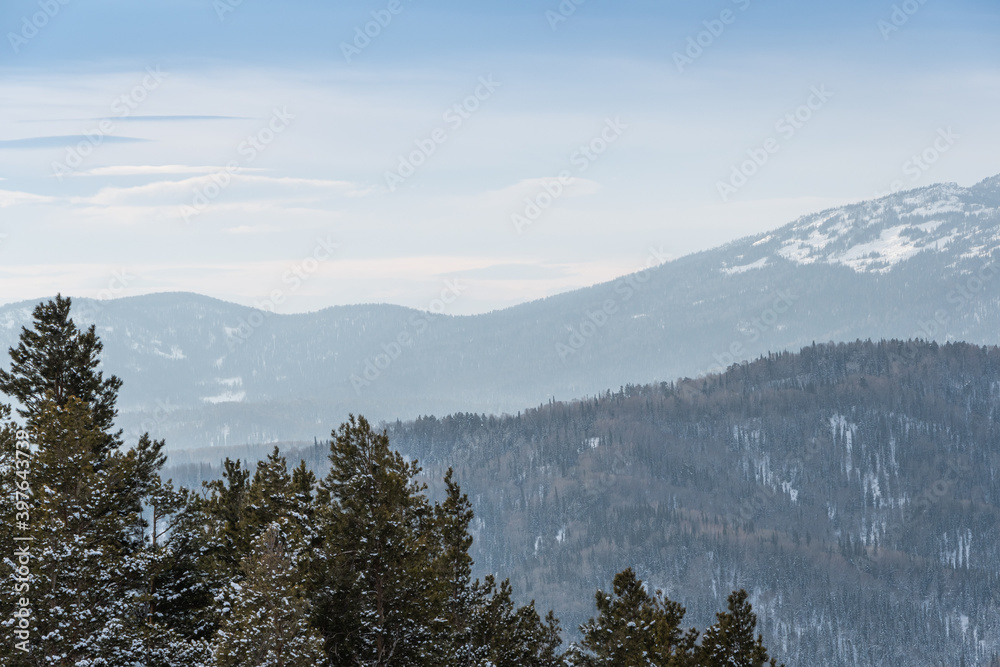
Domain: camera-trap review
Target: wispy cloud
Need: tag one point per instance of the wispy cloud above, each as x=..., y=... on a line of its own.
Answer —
x=12, y=198
x=168, y=192
x=168, y=119
x=511, y=271
x=147, y=170
x=64, y=141
x=512, y=196
x=254, y=229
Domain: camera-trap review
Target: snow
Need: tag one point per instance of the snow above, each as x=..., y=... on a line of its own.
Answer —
x=15, y=318
x=759, y=264
x=797, y=251
x=175, y=354
x=950, y=205
x=889, y=249
x=932, y=219
x=226, y=397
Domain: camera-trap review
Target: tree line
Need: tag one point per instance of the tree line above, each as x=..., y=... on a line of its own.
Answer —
x=115, y=566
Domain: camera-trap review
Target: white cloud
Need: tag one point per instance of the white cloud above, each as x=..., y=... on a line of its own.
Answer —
x=532, y=187
x=143, y=170
x=177, y=192
x=12, y=198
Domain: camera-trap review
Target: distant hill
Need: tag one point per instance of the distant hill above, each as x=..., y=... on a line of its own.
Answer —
x=854, y=490
x=202, y=372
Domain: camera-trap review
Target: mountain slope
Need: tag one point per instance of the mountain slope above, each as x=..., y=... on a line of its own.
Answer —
x=854, y=490
x=204, y=372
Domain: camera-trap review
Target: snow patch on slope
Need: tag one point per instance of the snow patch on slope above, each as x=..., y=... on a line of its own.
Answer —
x=226, y=397
x=759, y=264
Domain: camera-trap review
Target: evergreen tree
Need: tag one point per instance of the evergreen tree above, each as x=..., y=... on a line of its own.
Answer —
x=86, y=575
x=91, y=559
x=453, y=573
x=376, y=606
x=507, y=636
x=730, y=642
x=266, y=612
x=54, y=361
x=178, y=597
x=634, y=629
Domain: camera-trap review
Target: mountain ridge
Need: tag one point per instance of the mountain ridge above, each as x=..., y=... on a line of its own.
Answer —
x=202, y=371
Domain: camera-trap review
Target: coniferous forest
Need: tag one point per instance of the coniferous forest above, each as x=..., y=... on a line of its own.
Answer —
x=107, y=563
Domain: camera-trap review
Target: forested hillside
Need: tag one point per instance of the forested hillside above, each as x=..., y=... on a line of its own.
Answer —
x=109, y=565
x=853, y=489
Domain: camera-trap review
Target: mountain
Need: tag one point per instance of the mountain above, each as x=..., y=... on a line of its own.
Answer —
x=202, y=372
x=852, y=489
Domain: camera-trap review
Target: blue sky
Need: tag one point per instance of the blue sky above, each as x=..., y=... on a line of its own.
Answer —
x=226, y=147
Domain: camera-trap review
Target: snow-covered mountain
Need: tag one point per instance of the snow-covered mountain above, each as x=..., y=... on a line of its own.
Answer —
x=199, y=371
x=876, y=236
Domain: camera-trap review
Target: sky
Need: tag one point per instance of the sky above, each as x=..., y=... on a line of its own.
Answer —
x=300, y=154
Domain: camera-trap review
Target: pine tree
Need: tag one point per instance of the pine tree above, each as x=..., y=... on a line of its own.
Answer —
x=507, y=636
x=634, y=629
x=54, y=361
x=91, y=560
x=453, y=574
x=178, y=597
x=730, y=642
x=376, y=605
x=266, y=612
x=236, y=511
x=83, y=576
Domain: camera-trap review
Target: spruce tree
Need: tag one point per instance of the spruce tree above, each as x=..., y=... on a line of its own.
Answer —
x=91, y=557
x=54, y=360
x=730, y=642
x=376, y=606
x=266, y=612
x=453, y=573
x=504, y=635
x=84, y=575
x=634, y=629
